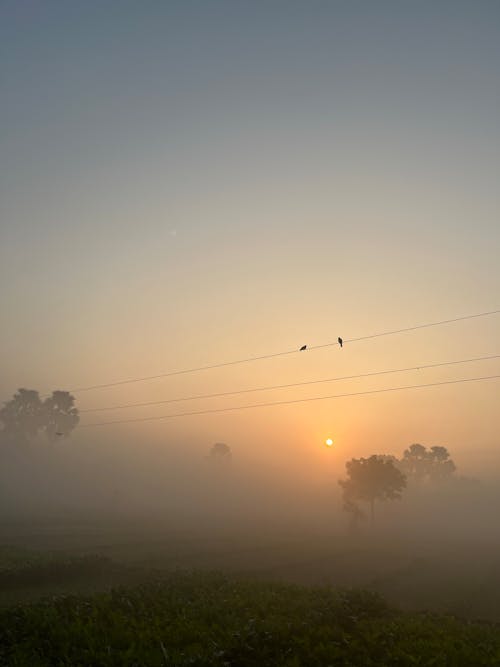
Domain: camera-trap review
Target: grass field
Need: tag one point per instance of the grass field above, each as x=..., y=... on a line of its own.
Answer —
x=97, y=593
x=210, y=619
x=38, y=559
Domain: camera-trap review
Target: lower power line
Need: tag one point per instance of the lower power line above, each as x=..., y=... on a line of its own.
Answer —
x=290, y=402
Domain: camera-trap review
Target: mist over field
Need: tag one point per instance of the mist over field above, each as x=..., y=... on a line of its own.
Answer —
x=205, y=505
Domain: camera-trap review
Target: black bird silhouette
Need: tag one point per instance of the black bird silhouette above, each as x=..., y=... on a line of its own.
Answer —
x=341, y=342
x=303, y=348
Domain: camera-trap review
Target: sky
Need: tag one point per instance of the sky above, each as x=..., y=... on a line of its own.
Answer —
x=187, y=183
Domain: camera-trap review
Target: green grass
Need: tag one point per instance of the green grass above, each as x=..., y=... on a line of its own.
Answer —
x=27, y=577
x=210, y=619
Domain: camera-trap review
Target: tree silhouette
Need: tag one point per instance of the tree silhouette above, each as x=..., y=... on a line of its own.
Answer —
x=415, y=462
x=371, y=479
x=354, y=511
x=59, y=414
x=220, y=453
x=427, y=465
x=26, y=415
x=21, y=416
x=442, y=466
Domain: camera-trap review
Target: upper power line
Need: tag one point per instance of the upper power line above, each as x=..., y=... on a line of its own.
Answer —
x=290, y=385
x=289, y=402
x=280, y=354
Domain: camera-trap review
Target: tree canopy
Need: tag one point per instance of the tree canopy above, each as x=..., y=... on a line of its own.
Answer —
x=26, y=416
x=422, y=465
x=383, y=477
x=371, y=479
x=220, y=452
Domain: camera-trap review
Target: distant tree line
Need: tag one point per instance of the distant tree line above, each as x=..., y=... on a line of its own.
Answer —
x=379, y=478
x=26, y=416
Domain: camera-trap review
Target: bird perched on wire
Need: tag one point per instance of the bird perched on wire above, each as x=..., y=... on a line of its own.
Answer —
x=341, y=342
x=304, y=347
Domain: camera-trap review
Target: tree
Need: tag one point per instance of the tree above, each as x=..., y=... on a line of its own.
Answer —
x=442, y=466
x=371, y=479
x=21, y=416
x=59, y=414
x=220, y=453
x=26, y=415
x=415, y=462
x=427, y=465
x=354, y=511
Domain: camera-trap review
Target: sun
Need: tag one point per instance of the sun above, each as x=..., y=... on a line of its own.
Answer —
x=328, y=442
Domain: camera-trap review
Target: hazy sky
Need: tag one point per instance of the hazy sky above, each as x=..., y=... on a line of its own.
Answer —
x=184, y=183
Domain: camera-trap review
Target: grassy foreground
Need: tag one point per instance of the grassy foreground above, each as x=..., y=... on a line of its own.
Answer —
x=210, y=619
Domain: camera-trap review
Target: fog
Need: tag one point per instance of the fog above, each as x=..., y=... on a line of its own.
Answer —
x=178, y=481
x=168, y=505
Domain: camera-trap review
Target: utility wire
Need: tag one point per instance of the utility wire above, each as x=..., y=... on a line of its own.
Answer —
x=289, y=386
x=278, y=354
x=298, y=400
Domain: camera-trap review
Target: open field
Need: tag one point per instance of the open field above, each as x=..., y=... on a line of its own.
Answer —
x=210, y=619
x=61, y=557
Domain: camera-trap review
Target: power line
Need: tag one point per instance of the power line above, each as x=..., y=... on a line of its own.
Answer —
x=414, y=328
x=290, y=385
x=278, y=354
x=290, y=402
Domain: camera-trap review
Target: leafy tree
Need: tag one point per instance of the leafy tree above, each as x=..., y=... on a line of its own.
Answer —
x=59, y=414
x=220, y=453
x=21, y=416
x=427, y=465
x=371, y=479
x=415, y=462
x=26, y=415
x=442, y=465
